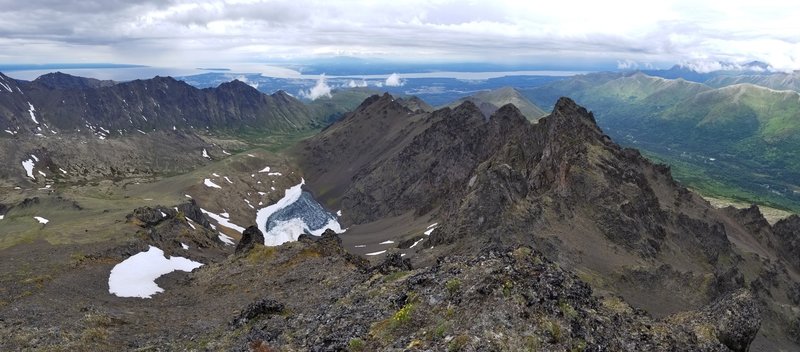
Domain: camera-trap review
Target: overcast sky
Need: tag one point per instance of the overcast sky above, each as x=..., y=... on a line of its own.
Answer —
x=220, y=33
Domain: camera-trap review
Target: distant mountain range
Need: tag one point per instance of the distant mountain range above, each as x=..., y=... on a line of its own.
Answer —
x=490, y=101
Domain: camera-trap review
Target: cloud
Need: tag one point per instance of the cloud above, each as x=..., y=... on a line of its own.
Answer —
x=354, y=84
x=247, y=81
x=627, y=64
x=394, y=81
x=211, y=32
x=319, y=90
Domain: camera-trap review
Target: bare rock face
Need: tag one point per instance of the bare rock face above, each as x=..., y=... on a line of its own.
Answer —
x=787, y=232
x=734, y=320
x=251, y=237
x=737, y=318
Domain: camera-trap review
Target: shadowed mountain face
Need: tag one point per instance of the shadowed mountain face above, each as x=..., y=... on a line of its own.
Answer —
x=59, y=103
x=560, y=184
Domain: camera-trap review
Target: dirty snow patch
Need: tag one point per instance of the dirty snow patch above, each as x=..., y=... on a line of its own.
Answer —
x=210, y=184
x=135, y=276
x=360, y=246
x=288, y=230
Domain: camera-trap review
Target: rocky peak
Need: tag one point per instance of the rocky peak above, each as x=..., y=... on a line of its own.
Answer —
x=238, y=87
x=59, y=80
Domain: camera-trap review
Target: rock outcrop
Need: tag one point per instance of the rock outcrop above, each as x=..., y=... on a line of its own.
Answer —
x=251, y=237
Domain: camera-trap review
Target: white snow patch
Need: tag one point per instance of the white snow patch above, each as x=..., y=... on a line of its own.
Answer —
x=62, y=170
x=205, y=154
x=41, y=220
x=135, y=276
x=2, y=216
x=225, y=215
x=262, y=193
x=31, y=110
x=28, y=165
x=41, y=173
x=360, y=246
x=189, y=222
x=339, y=213
x=376, y=253
x=432, y=225
x=274, y=174
x=187, y=196
x=163, y=215
x=226, y=153
x=211, y=184
x=229, y=180
x=387, y=242
x=265, y=169
x=223, y=221
x=184, y=245
x=226, y=239
x=416, y=243
x=429, y=231
x=214, y=174
x=35, y=158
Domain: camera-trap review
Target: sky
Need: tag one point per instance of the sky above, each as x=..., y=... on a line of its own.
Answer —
x=705, y=35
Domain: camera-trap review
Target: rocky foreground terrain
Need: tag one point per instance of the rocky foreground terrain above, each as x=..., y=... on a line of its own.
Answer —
x=465, y=233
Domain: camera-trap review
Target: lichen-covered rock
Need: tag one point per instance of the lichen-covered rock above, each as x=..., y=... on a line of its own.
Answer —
x=148, y=217
x=257, y=309
x=392, y=263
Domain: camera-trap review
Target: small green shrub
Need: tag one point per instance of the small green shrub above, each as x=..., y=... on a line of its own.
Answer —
x=453, y=286
x=356, y=345
x=458, y=343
